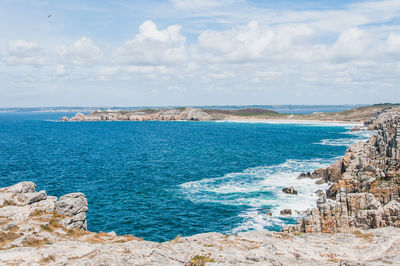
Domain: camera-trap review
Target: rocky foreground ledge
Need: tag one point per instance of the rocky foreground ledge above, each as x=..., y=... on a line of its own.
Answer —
x=37, y=229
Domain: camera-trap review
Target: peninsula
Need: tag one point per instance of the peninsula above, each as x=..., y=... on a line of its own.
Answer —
x=359, y=114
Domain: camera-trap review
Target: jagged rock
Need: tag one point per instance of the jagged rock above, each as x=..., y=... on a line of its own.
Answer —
x=289, y=190
x=365, y=190
x=304, y=175
x=319, y=173
x=22, y=187
x=32, y=197
x=286, y=212
x=75, y=206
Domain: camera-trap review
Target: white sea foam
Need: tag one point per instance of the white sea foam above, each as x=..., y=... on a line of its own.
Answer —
x=260, y=188
x=356, y=136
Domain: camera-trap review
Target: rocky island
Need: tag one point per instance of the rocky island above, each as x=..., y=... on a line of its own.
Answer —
x=355, y=222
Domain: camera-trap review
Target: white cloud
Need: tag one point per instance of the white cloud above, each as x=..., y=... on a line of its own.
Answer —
x=353, y=43
x=81, y=52
x=154, y=47
x=391, y=46
x=60, y=71
x=22, y=52
x=252, y=43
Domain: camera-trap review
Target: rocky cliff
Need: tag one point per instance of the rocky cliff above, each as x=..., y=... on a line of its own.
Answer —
x=37, y=229
x=364, y=191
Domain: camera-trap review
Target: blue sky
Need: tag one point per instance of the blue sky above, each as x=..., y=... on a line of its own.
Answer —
x=198, y=52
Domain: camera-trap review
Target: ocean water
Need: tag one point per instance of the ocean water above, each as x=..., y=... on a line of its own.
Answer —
x=157, y=180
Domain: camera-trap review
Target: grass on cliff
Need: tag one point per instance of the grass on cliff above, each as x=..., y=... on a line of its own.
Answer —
x=8, y=203
x=366, y=236
x=200, y=260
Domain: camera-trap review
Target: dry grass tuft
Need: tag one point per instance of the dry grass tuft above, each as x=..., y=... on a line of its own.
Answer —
x=127, y=238
x=7, y=238
x=366, y=236
x=47, y=260
x=37, y=213
x=76, y=232
x=176, y=238
x=8, y=203
x=35, y=242
x=200, y=260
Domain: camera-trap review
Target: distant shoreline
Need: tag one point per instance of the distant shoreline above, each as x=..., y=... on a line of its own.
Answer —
x=290, y=121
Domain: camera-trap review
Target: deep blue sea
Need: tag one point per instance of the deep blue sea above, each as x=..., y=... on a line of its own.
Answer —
x=157, y=180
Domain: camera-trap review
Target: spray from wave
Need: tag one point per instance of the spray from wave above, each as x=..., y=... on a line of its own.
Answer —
x=260, y=190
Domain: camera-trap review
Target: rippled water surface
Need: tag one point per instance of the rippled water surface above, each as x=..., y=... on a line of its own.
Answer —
x=160, y=179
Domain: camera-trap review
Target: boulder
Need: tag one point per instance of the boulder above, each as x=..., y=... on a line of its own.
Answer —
x=75, y=206
x=289, y=190
x=286, y=212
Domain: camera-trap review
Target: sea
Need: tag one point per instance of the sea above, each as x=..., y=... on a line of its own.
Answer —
x=158, y=180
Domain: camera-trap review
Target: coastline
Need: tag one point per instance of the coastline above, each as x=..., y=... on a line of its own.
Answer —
x=360, y=214
x=293, y=121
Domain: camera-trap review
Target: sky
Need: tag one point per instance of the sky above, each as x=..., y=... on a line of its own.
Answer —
x=198, y=52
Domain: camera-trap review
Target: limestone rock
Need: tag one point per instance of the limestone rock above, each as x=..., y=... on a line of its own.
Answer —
x=365, y=185
x=22, y=187
x=75, y=206
x=32, y=197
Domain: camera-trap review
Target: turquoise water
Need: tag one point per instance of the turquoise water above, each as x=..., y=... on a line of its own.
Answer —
x=159, y=179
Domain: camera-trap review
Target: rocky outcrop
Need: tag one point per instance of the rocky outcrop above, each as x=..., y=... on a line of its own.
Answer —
x=286, y=212
x=74, y=206
x=184, y=114
x=28, y=217
x=364, y=191
x=289, y=190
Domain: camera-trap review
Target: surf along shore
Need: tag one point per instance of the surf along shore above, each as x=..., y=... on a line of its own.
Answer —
x=355, y=221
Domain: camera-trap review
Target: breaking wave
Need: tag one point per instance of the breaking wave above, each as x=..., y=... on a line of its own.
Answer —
x=260, y=190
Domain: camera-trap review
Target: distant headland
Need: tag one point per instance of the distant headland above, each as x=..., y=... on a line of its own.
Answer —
x=358, y=114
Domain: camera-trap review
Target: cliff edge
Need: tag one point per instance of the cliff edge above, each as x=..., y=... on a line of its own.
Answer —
x=364, y=190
